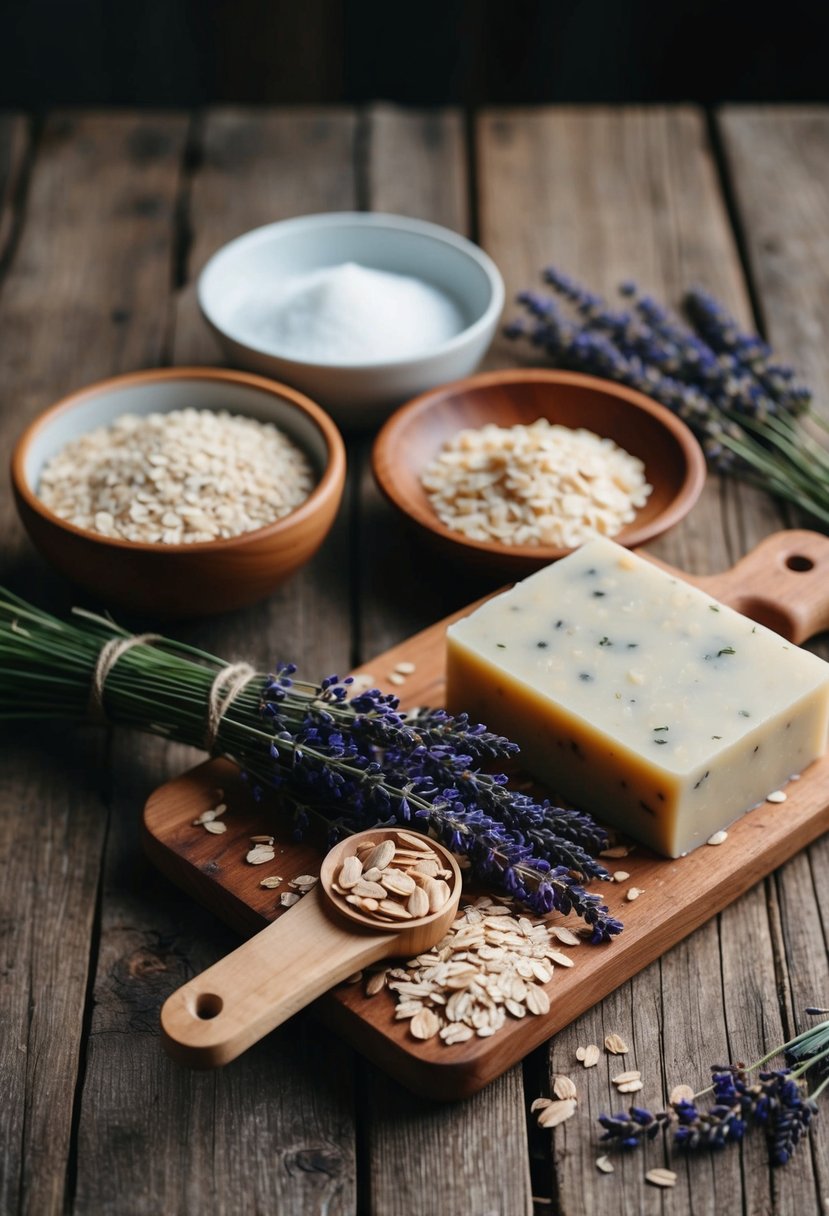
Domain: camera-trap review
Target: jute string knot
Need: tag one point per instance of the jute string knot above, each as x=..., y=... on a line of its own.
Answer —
x=223, y=692
x=110, y=653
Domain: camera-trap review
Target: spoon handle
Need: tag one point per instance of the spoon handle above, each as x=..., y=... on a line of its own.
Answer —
x=219, y=1014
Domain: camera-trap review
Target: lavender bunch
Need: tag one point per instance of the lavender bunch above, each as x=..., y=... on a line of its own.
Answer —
x=348, y=762
x=777, y=1101
x=745, y=407
x=360, y=762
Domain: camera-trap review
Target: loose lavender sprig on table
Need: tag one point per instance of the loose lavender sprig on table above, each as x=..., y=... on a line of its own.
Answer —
x=744, y=406
x=777, y=1101
x=354, y=762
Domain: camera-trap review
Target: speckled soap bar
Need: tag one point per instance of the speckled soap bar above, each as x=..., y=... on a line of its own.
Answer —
x=638, y=697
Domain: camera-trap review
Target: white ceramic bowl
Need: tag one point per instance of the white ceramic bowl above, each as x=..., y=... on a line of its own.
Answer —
x=357, y=394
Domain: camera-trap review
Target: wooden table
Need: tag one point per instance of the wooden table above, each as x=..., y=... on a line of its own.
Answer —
x=105, y=221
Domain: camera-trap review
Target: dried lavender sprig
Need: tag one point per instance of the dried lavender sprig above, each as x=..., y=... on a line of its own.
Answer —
x=735, y=367
x=777, y=1101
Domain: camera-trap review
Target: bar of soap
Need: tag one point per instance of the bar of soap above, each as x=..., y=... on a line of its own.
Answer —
x=637, y=696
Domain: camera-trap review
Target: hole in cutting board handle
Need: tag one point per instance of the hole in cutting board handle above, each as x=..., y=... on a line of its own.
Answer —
x=799, y=563
x=208, y=1005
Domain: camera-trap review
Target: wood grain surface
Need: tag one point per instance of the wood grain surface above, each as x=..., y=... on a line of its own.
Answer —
x=105, y=221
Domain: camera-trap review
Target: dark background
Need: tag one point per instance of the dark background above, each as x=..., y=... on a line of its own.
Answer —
x=188, y=52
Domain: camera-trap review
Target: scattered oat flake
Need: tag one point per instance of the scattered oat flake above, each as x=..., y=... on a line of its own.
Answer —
x=540, y=1104
x=354, y=978
x=215, y=827
x=776, y=796
x=487, y=970
x=616, y=1045
x=617, y=850
x=259, y=854
x=562, y=959
x=681, y=1093
x=537, y=1000
x=592, y=1056
x=288, y=899
x=210, y=814
x=566, y=936
x=660, y=1177
x=634, y=892
x=304, y=880
x=581, y=1052
x=405, y=668
x=622, y=1078
x=717, y=838
x=620, y=876
x=261, y=839
x=272, y=881
x=563, y=1087
x=557, y=1112
x=605, y=1165
x=376, y=982
x=424, y=1025
x=630, y=1087
x=394, y=678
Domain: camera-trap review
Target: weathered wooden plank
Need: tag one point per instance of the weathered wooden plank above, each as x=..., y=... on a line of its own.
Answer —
x=415, y=164
x=469, y=1157
x=778, y=161
x=274, y=1132
x=253, y=167
x=94, y=238
x=15, y=146
x=609, y=195
x=455, y=1160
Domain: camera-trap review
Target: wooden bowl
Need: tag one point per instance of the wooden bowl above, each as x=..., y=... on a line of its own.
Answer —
x=674, y=461
x=187, y=579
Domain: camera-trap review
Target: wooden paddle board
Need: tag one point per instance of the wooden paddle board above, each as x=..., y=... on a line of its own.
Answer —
x=783, y=583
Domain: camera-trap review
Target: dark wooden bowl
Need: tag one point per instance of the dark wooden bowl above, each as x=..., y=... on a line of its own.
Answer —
x=183, y=580
x=674, y=462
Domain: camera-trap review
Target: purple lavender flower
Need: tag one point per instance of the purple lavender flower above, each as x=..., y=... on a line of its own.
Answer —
x=629, y=1130
x=361, y=762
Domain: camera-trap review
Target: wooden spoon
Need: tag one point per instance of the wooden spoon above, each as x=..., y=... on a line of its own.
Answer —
x=215, y=1017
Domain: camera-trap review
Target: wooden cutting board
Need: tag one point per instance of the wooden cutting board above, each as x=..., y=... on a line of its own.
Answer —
x=784, y=583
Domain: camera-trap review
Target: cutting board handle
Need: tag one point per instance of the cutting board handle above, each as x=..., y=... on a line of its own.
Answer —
x=219, y=1014
x=782, y=583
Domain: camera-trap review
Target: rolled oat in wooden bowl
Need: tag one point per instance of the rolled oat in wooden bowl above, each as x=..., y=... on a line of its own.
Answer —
x=182, y=491
x=511, y=470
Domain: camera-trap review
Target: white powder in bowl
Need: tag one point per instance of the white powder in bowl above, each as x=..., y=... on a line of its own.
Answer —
x=352, y=314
